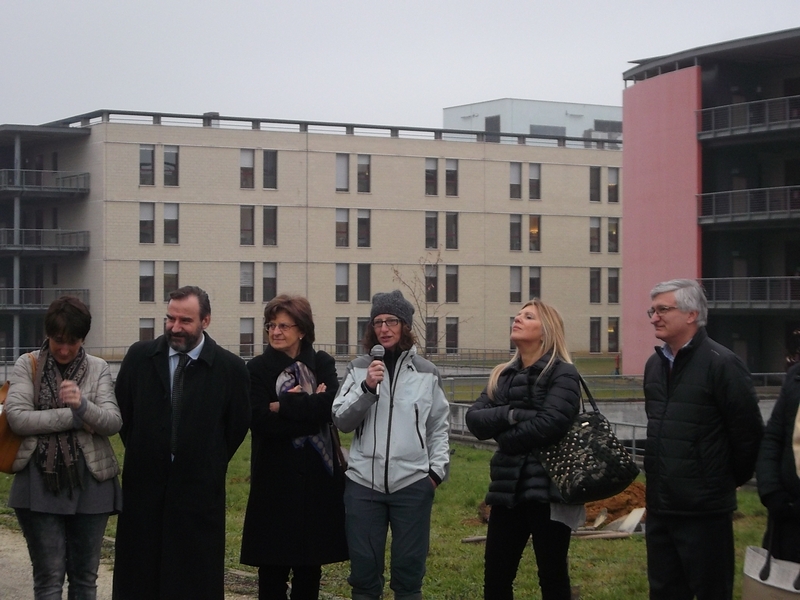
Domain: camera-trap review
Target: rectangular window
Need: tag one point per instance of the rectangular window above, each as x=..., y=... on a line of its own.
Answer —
x=613, y=334
x=247, y=339
x=451, y=231
x=515, y=232
x=270, y=225
x=534, y=235
x=363, y=276
x=363, y=228
x=269, y=281
x=515, y=181
x=594, y=184
x=247, y=174
x=247, y=215
x=54, y=278
x=363, y=173
x=594, y=285
x=342, y=227
x=432, y=335
x=170, y=165
x=534, y=181
x=342, y=283
x=342, y=335
x=451, y=334
x=431, y=283
x=535, y=283
x=613, y=184
x=147, y=222
x=270, y=169
x=246, y=282
x=431, y=176
x=342, y=172
x=451, y=177
x=613, y=234
x=451, y=283
x=170, y=278
x=594, y=334
x=147, y=330
x=147, y=281
x=515, y=284
x=362, y=323
x=594, y=234
x=147, y=161
x=613, y=286
x=431, y=230
x=171, y=214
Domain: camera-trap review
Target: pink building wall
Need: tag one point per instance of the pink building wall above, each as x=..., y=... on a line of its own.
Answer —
x=661, y=176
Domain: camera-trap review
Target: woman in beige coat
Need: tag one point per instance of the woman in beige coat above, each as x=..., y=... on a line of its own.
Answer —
x=65, y=486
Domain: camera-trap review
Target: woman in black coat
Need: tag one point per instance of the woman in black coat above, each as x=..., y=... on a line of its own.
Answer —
x=295, y=513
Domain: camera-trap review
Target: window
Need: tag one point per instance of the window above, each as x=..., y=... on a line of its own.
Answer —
x=269, y=281
x=342, y=283
x=594, y=334
x=594, y=285
x=363, y=173
x=594, y=184
x=431, y=230
x=54, y=274
x=146, y=162
x=515, y=232
x=492, y=125
x=147, y=221
x=511, y=345
x=515, y=284
x=613, y=234
x=613, y=334
x=594, y=234
x=362, y=323
x=170, y=278
x=431, y=283
x=613, y=184
x=451, y=283
x=147, y=330
x=432, y=335
x=270, y=225
x=363, y=283
x=451, y=177
x=342, y=172
x=451, y=334
x=451, y=231
x=246, y=225
x=171, y=223
x=535, y=283
x=342, y=227
x=247, y=338
x=147, y=281
x=363, y=227
x=270, y=169
x=534, y=181
x=534, y=237
x=247, y=173
x=431, y=176
x=246, y=285
x=342, y=335
x=515, y=180
x=170, y=165
x=613, y=286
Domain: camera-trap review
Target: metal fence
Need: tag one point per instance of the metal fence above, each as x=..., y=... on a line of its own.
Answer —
x=753, y=292
x=749, y=205
x=35, y=180
x=44, y=239
x=748, y=116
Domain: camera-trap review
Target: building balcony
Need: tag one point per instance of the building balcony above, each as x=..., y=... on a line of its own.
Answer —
x=36, y=299
x=42, y=183
x=758, y=204
x=43, y=241
x=764, y=293
x=749, y=117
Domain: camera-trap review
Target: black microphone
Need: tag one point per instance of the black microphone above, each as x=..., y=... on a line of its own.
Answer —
x=377, y=353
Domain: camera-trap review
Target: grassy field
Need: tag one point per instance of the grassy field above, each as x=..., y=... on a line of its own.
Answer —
x=604, y=569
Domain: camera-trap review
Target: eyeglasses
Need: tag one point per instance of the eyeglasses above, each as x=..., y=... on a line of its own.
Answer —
x=659, y=310
x=378, y=323
x=282, y=327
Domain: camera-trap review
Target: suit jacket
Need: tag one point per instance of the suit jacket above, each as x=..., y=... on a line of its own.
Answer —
x=171, y=534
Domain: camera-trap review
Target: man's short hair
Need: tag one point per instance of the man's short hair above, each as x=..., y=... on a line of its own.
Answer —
x=192, y=290
x=689, y=296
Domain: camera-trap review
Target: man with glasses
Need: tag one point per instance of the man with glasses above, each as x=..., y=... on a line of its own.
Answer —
x=703, y=433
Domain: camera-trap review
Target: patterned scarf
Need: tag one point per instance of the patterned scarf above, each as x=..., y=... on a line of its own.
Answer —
x=299, y=374
x=57, y=453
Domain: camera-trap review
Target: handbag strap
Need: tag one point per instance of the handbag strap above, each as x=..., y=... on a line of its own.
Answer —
x=763, y=575
x=588, y=396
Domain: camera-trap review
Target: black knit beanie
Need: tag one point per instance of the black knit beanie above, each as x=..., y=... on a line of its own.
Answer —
x=392, y=303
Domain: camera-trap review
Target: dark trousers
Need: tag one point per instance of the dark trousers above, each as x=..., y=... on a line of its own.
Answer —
x=63, y=544
x=506, y=537
x=305, y=582
x=690, y=557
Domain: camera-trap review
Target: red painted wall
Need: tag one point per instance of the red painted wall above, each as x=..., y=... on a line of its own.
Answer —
x=660, y=179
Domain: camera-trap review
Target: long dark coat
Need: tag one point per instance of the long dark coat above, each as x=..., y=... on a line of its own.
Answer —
x=295, y=514
x=171, y=533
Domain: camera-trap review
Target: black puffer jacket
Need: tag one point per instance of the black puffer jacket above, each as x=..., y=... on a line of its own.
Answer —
x=544, y=409
x=703, y=429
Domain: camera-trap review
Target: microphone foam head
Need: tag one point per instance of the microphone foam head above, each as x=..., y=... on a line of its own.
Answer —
x=377, y=351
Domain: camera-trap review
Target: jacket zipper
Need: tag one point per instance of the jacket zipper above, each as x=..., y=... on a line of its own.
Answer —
x=416, y=424
x=392, y=387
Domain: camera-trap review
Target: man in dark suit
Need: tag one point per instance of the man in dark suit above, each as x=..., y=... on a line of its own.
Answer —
x=185, y=410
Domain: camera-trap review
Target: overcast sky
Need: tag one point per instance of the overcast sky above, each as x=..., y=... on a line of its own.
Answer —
x=363, y=61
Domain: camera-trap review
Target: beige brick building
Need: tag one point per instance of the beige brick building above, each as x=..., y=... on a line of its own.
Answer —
x=139, y=203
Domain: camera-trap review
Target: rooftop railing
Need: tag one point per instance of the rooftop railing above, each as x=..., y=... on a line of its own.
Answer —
x=37, y=299
x=45, y=240
x=750, y=205
x=753, y=292
x=43, y=181
x=749, y=117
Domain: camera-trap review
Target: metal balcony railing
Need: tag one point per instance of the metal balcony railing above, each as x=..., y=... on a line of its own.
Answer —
x=36, y=299
x=748, y=117
x=749, y=205
x=43, y=181
x=753, y=292
x=54, y=240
